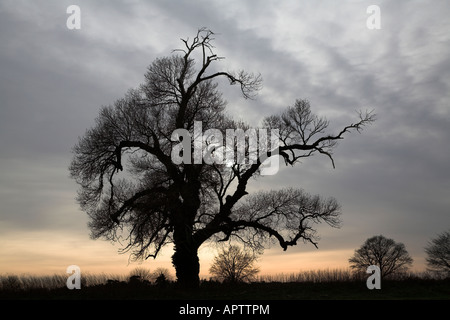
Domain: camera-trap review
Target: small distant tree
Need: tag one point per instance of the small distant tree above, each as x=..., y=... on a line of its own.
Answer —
x=438, y=254
x=141, y=273
x=234, y=265
x=163, y=274
x=390, y=256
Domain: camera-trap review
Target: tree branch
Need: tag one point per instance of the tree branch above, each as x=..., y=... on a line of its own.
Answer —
x=299, y=126
x=128, y=204
x=156, y=151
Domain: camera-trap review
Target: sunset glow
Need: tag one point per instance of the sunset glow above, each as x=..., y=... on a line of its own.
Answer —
x=391, y=180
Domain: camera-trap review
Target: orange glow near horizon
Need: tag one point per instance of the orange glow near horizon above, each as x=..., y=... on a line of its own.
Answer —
x=39, y=254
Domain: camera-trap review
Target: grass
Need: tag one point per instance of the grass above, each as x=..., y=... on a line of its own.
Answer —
x=327, y=284
x=314, y=276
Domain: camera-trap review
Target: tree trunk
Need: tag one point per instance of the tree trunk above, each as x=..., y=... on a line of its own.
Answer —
x=185, y=258
x=187, y=267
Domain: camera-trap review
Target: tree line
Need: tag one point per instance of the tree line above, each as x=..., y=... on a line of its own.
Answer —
x=234, y=264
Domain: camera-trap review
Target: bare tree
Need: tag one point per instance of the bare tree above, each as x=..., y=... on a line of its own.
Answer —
x=163, y=274
x=391, y=257
x=155, y=200
x=234, y=265
x=141, y=273
x=438, y=254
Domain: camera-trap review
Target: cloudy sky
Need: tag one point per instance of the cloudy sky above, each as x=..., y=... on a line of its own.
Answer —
x=392, y=179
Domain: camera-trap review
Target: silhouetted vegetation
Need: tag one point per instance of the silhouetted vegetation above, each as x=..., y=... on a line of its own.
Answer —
x=164, y=197
x=234, y=265
x=313, y=284
x=390, y=256
x=438, y=254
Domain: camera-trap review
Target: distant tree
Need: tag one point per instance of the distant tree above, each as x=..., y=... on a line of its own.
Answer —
x=159, y=199
x=391, y=257
x=161, y=273
x=438, y=254
x=141, y=273
x=234, y=265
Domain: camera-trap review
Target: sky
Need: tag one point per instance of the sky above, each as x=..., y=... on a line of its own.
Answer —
x=392, y=179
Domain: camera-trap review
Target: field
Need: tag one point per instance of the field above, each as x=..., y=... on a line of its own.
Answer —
x=310, y=285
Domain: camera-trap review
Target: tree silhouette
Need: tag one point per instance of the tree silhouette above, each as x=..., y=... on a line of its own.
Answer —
x=438, y=254
x=391, y=257
x=157, y=199
x=234, y=265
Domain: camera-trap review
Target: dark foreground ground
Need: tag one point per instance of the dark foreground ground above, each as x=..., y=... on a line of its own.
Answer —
x=390, y=290
x=270, y=300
